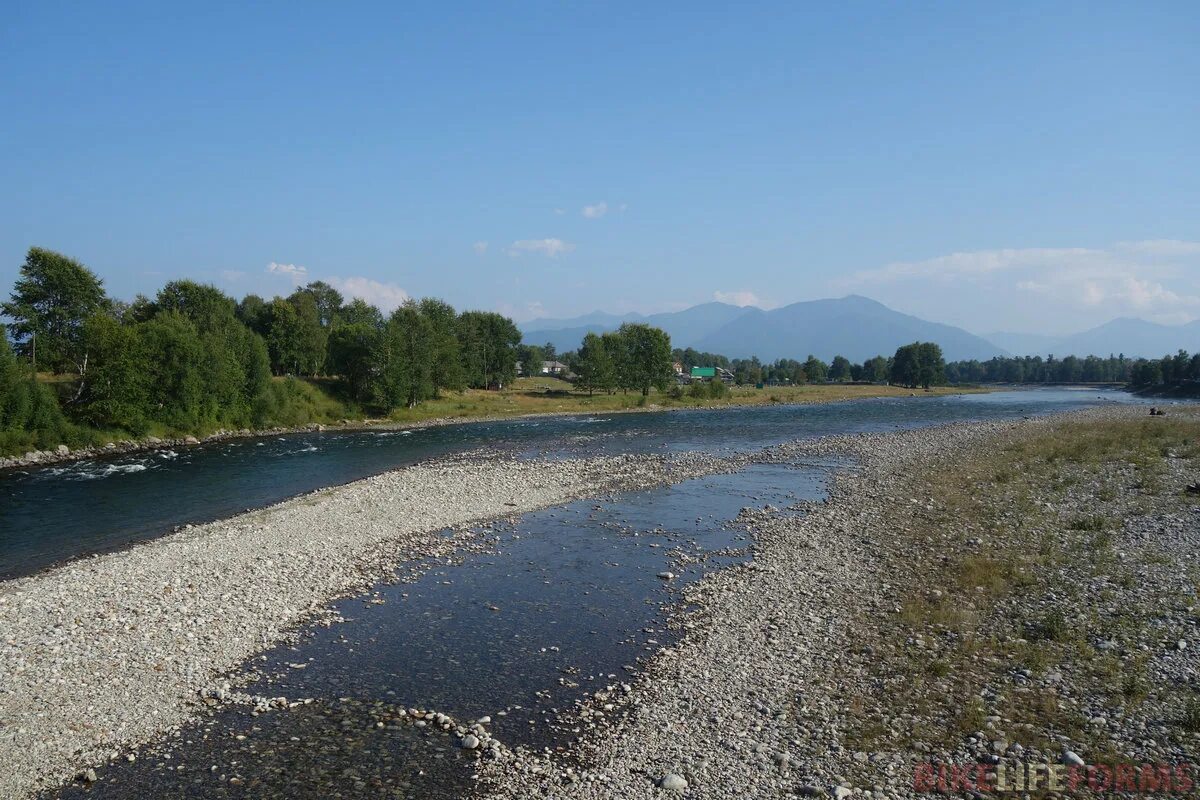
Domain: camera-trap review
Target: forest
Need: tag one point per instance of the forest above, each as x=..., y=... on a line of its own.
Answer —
x=192, y=359
x=78, y=367
x=1178, y=370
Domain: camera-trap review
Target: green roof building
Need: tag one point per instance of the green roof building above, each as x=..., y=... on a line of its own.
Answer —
x=704, y=372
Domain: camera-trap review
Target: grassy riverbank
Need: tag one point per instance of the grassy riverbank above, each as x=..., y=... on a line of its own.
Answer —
x=553, y=396
x=296, y=403
x=1055, y=607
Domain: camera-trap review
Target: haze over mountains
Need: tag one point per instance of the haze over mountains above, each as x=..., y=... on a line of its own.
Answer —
x=1133, y=337
x=857, y=328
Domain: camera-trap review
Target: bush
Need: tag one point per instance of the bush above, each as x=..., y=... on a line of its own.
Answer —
x=292, y=402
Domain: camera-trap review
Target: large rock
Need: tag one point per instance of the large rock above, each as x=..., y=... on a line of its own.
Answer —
x=673, y=782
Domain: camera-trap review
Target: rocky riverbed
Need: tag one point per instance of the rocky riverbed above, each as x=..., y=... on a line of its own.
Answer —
x=114, y=650
x=785, y=662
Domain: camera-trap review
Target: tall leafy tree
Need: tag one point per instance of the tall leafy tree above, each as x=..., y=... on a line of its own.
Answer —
x=118, y=392
x=327, y=299
x=359, y=311
x=815, y=370
x=648, y=356
x=283, y=337
x=255, y=314
x=175, y=377
x=595, y=366
x=616, y=346
x=531, y=357
x=839, y=369
x=875, y=369
x=446, y=366
x=205, y=305
x=918, y=364
x=51, y=301
x=309, y=335
x=488, y=346
x=355, y=343
x=407, y=372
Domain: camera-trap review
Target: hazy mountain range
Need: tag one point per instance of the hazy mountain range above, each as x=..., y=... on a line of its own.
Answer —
x=1133, y=337
x=857, y=328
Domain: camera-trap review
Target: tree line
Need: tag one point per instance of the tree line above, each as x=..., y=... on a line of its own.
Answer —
x=599, y=365
x=1170, y=370
x=192, y=357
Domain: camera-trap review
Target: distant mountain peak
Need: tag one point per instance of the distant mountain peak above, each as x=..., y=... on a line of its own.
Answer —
x=854, y=326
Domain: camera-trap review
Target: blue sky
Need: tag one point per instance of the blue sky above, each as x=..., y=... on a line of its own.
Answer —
x=1003, y=166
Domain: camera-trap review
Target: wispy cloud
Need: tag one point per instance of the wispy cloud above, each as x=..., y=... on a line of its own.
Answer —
x=739, y=297
x=1156, y=279
x=547, y=247
x=480, y=247
x=386, y=296
x=297, y=274
x=595, y=211
x=232, y=275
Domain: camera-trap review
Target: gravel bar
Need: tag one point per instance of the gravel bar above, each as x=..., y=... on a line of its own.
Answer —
x=750, y=701
x=115, y=650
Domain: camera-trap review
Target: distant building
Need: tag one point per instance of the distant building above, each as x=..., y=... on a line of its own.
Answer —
x=678, y=369
x=706, y=374
x=554, y=368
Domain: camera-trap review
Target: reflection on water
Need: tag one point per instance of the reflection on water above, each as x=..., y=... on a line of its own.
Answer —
x=139, y=496
x=567, y=603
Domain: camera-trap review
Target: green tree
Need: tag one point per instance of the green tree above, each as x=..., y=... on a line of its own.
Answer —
x=327, y=299
x=255, y=314
x=49, y=305
x=354, y=356
x=359, y=311
x=118, y=392
x=918, y=364
x=447, y=370
x=906, y=365
x=488, y=346
x=173, y=357
x=595, y=366
x=616, y=346
x=531, y=357
x=407, y=371
x=283, y=337
x=839, y=370
x=312, y=340
x=875, y=369
x=355, y=343
x=29, y=412
x=815, y=370
x=206, y=306
x=932, y=370
x=648, y=356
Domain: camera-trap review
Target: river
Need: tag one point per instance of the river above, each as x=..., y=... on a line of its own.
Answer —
x=52, y=514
